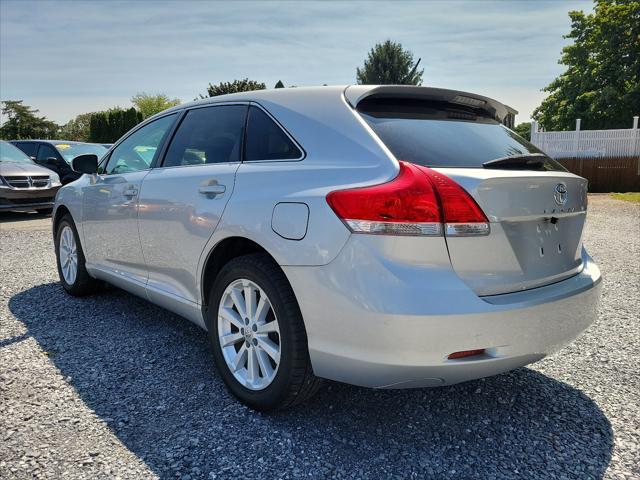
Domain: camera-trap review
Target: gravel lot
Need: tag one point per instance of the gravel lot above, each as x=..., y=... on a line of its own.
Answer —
x=111, y=386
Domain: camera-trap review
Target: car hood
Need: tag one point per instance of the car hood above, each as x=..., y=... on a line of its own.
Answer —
x=26, y=169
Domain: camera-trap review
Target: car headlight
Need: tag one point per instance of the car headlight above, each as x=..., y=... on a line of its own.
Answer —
x=55, y=180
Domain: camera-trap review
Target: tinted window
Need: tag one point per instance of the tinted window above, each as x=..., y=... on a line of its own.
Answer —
x=46, y=151
x=440, y=137
x=138, y=150
x=208, y=135
x=28, y=148
x=266, y=140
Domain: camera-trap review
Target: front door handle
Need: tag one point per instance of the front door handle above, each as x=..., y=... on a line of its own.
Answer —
x=212, y=190
x=130, y=191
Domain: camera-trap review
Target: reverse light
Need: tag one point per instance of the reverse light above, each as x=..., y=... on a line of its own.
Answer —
x=419, y=201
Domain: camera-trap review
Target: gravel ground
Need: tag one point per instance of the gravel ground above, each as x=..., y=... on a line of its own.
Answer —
x=112, y=386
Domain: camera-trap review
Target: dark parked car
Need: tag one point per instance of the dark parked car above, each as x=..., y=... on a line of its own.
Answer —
x=24, y=185
x=57, y=154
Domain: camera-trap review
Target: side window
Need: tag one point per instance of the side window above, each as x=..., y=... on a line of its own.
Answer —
x=28, y=147
x=138, y=150
x=46, y=151
x=208, y=135
x=266, y=140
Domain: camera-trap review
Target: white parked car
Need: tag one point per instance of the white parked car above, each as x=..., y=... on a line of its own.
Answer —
x=383, y=236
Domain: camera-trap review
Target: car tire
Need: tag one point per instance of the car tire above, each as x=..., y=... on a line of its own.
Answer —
x=290, y=381
x=69, y=254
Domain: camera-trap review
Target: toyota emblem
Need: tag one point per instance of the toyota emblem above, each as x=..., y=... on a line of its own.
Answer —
x=560, y=194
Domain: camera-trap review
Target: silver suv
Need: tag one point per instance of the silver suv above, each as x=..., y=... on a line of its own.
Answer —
x=382, y=236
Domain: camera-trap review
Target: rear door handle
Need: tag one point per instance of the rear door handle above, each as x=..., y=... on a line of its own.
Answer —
x=212, y=190
x=130, y=191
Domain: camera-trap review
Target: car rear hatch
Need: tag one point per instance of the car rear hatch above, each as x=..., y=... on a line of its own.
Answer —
x=536, y=208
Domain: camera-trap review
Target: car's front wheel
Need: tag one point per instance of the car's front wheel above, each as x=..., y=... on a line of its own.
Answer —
x=258, y=336
x=70, y=260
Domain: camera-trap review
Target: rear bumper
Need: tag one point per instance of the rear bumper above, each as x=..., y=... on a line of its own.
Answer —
x=386, y=324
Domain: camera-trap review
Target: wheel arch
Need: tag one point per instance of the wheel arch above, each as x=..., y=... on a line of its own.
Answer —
x=60, y=212
x=224, y=251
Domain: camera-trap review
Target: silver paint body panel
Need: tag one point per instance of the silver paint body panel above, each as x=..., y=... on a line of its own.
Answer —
x=380, y=311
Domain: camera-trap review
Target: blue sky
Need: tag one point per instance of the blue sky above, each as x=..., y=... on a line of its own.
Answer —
x=66, y=58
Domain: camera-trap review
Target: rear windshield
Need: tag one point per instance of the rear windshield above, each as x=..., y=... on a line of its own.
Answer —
x=436, y=136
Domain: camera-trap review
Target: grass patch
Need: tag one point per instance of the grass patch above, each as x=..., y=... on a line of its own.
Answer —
x=629, y=196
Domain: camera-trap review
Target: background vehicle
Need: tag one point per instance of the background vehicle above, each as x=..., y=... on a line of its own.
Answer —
x=57, y=154
x=387, y=237
x=24, y=185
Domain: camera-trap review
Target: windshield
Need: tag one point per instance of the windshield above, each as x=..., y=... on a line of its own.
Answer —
x=71, y=150
x=440, y=137
x=10, y=153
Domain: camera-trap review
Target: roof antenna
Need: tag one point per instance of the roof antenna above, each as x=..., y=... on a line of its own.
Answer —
x=413, y=70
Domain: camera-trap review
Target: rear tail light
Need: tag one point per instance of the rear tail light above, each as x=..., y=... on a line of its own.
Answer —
x=419, y=201
x=407, y=205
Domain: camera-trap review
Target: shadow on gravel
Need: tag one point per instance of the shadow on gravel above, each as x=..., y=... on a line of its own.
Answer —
x=149, y=375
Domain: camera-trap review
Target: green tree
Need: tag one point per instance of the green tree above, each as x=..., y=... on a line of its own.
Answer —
x=20, y=121
x=149, y=105
x=524, y=130
x=601, y=84
x=77, y=129
x=236, y=86
x=109, y=126
x=389, y=64
x=279, y=84
x=97, y=126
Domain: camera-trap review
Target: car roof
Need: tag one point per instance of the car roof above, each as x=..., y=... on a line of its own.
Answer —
x=354, y=94
x=275, y=95
x=57, y=141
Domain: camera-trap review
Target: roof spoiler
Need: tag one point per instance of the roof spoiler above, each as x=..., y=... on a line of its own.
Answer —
x=355, y=94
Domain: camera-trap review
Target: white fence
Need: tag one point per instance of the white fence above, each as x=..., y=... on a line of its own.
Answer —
x=588, y=143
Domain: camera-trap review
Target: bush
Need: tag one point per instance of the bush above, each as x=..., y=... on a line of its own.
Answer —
x=109, y=126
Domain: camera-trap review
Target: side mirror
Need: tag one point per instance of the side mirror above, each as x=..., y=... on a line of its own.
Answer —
x=51, y=161
x=87, y=163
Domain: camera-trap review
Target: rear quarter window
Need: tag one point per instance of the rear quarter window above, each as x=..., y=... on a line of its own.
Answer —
x=437, y=136
x=266, y=140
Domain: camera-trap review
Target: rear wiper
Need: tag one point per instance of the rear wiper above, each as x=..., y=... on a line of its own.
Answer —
x=525, y=161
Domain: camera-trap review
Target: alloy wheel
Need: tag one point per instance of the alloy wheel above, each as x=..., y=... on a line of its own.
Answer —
x=68, y=254
x=249, y=334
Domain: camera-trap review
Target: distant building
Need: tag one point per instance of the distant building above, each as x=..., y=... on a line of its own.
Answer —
x=510, y=120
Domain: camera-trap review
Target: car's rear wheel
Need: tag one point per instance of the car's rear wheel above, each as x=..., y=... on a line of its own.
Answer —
x=258, y=336
x=70, y=260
